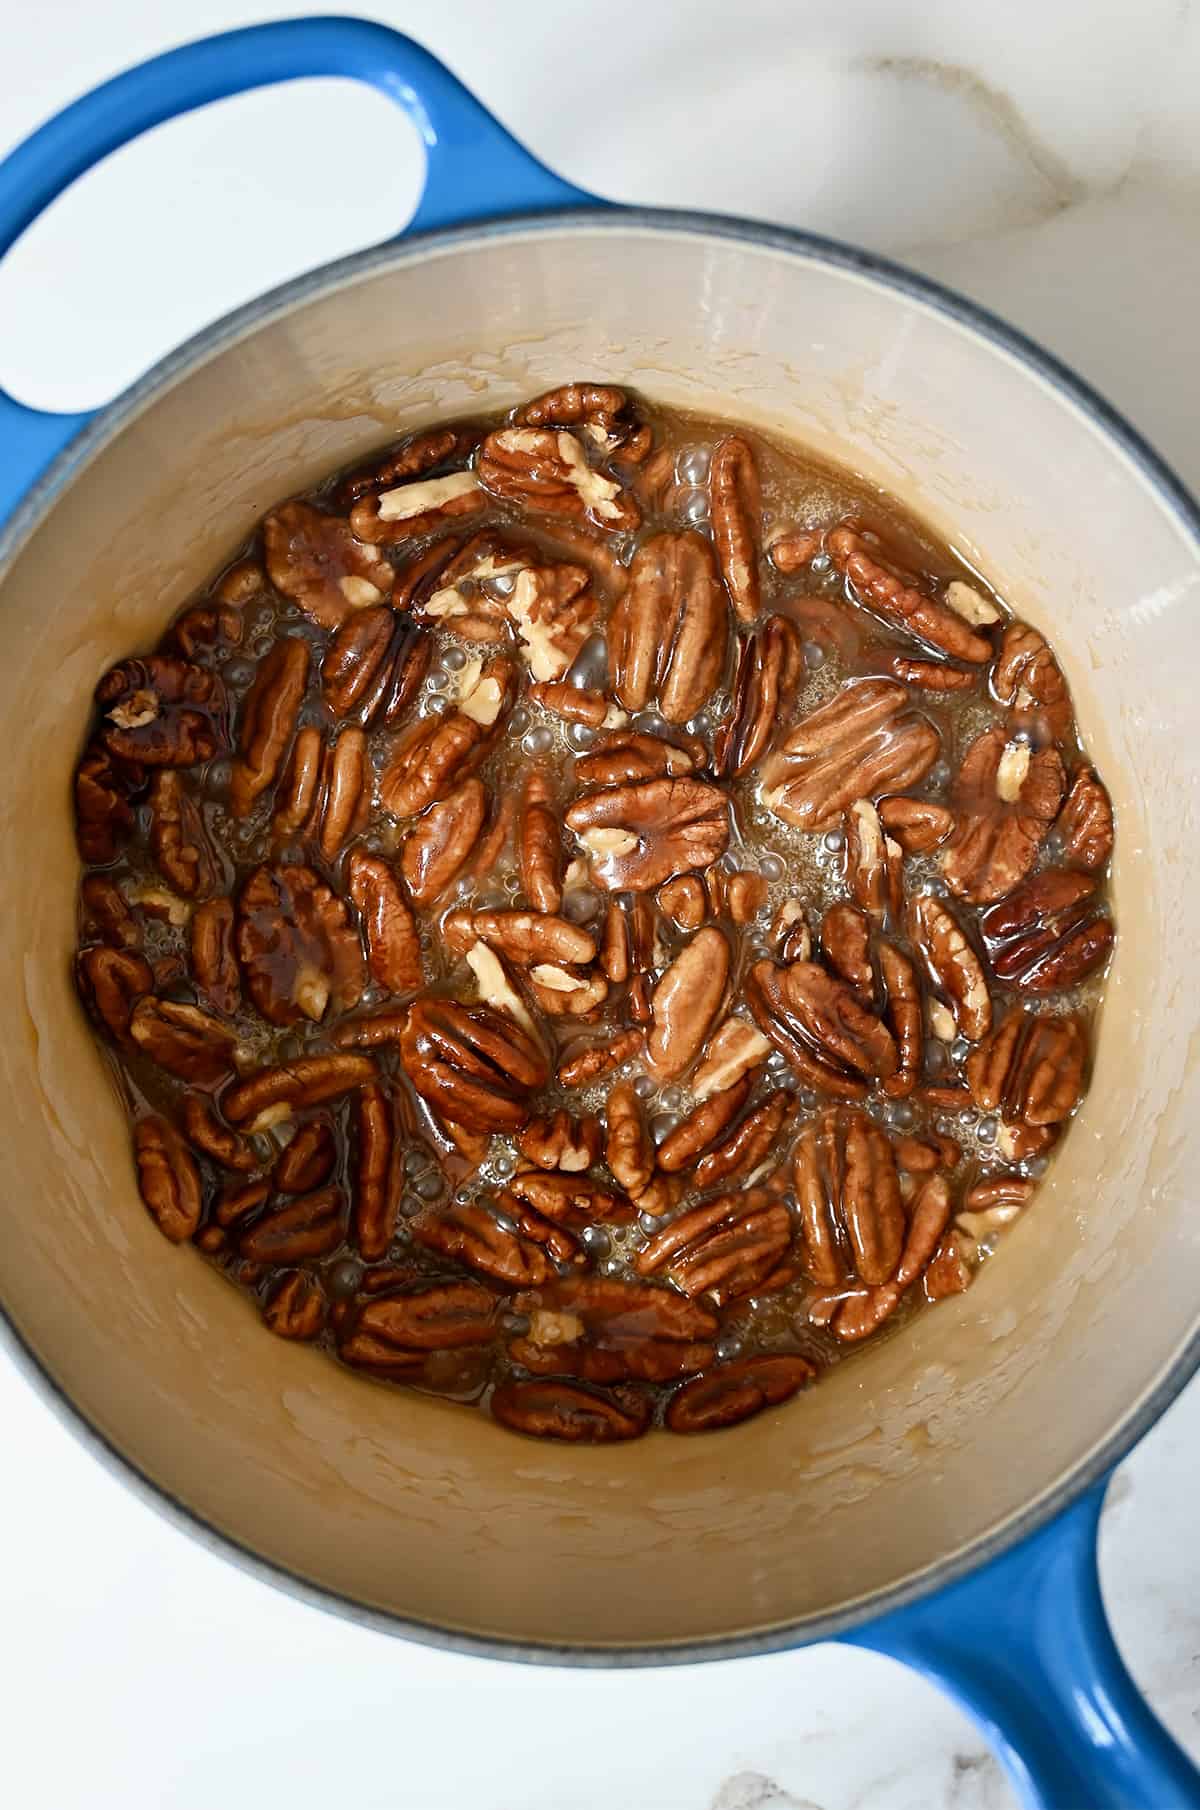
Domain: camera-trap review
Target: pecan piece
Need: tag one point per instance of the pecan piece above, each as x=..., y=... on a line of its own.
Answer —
x=413, y=457
x=373, y=667
x=685, y=901
x=768, y=675
x=597, y=1059
x=567, y=1200
x=441, y=751
x=790, y=934
x=471, y=1235
x=214, y=963
x=1085, y=822
x=873, y=863
x=917, y=824
x=846, y=946
x=628, y=1150
x=733, y=1051
x=735, y=502
x=948, y=1272
x=902, y=1013
x=471, y=1065
x=637, y=836
x=828, y=1036
x=103, y=815
x=211, y=1138
x=320, y=564
x=792, y=552
x=953, y=966
x=1048, y=933
x=606, y=1331
x=558, y=1410
x=557, y=1141
x=376, y=1177
x=553, y=612
x=739, y=894
x=725, y=1248
x=308, y=1161
x=409, y=511
x=298, y=949
x=702, y=1126
x=668, y=635
x=111, y=983
x=274, y=1094
x=1029, y=680
x=736, y=1392
x=269, y=713
x=326, y=792
x=627, y=947
x=295, y=1308
x=548, y=471
x=440, y=843
x=307, y=1226
x=177, y=838
x=600, y=405
x=1030, y=1069
x=393, y=945
x=920, y=1157
x=1006, y=797
x=162, y=712
x=168, y=1179
x=686, y=1002
x=627, y=756
x=863, y=1314
x=525, y=937
x=541, y=847
x=184, y=1040
x=752, y=1146
x=904, y=605
x=393, y=1335
x=864, y=741
x=848, y=1191
x=931, y=675
x=575, y=704
x=206, y=626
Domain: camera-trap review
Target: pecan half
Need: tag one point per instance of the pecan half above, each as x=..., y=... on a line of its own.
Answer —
x=567, y=1200
x=1029, y=680
x=952, y=964
x=873, y=863
x=903, y=1015
x=736, y=1392
x=441, y=841
x=319, y=563
x=848, y=1192
x=791, y=552
x=605, y=1331
x=214, y=961
x=864, y=741
x=1048, y=934
x=752, y=1147
x=917, y=824
x=111, y=982
x=168, y=1179
x=274, y=1094
x=553, y=612
x=637, y=836
x=734, y=1050
x=103, y=816
x=374, y=666
x=735, y=502
x=298, y=950
x=471, y=1065
x=184, y=1040
x=472, y=1236
x=306, y=1226
x=177, y=838
x=295, y=1308
x=600, y=405
x=1030, y=1069
x=668, y=635
x=393, y=1335
x=525, y=937
x=768, y=675
x=557, y=1141
x=541, y=846
x=558, y=1410
x=1085, y=822
x=308, y=1161
x=625, y=756
x=413, y=457
x=162, y=712
x=325, y=795
x=590, y=1063
x=441, y=751
x=724, y=1248
x=880, y=589
x=393, y=945
x=738, y=895
x=828, y=1036
x=686, y=1002
x=846, y=946
x=863, y=1314
x=701, y=1127
x=1006, y=797
x=268, y=718
x=548, y=471
x=376, y=1196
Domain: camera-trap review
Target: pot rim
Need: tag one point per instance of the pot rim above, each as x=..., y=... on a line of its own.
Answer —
x=104, y=426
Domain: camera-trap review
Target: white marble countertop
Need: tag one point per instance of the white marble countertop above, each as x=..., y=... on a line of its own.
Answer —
x=1044, y=158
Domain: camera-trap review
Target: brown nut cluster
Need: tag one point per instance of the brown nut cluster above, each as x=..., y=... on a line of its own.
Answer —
x=583, y=938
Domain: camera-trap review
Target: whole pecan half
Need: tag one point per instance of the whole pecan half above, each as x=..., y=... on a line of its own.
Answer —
x=829, y=1037
x=846, y=946
x=321, y=565
x=879, y=588
x=1031, y=1068
x=736, y=1392
x=324, y=798
x=103, y=815
x=1085, y=822
x=441, y=751
x=111, y=982
x=567, y=1200
x=177, y=838
x=668, y=635
x=686, y=1002
x=274, y=1094
x=211, y=1138
x=162, y=711
x=904, y=1017
x=540, y=840
x=441, y=841
x=553, y=612
x=394, y=1334
x=556, y=1410
x=637, y=836
x=472, y=1236
x=390, y=930
x=377, y=1180
x=298, y=950
x=917, y=824
x=600, y=405
x=309, y=1159
x=864, y=741
x=373, y=667
x=734, y=1050
x=724, y=1248
x=1006, y=797
x=735, y=503
x=625, y=756
x=268, y=719
x=752, y=1147
x=415, y=456
x=1048, y=934
x=848, y=1192
x=548, y=471
x=409, y=511
x=1029, y=680
x=471, y=1065
x=874, y=863
x=525, y=937
x=184, y=1040
x=557, y=1141
x=214, y=960
x=952, y=964
x=168, y=1179
x=769, y=671
x=301, y=1228
x=296, y=1307
x=606, y=1331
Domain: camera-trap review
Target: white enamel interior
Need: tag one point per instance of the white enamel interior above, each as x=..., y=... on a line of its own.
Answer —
x=912, y=1451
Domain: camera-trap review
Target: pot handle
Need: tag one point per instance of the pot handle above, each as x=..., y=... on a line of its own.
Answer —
x=474, y=168
x=1025, y=1647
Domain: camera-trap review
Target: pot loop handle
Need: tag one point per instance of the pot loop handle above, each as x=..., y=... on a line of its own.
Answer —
x=474, y=168
x=1024, y=1646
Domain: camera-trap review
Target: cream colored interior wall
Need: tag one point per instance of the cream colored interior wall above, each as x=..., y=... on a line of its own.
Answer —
x=913, y=1449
